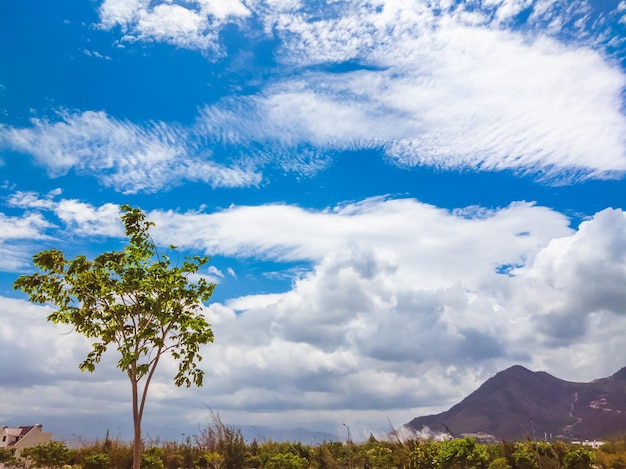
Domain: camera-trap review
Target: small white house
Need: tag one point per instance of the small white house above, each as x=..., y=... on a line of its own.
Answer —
x=18, y=438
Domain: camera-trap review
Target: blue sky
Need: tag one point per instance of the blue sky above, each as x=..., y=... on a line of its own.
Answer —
x=401, y=198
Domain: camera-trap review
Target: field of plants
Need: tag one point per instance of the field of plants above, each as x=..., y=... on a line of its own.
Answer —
x=221, y=447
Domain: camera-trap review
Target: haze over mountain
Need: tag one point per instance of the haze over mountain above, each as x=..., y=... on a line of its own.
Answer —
x=262, y=433
x=518, y=403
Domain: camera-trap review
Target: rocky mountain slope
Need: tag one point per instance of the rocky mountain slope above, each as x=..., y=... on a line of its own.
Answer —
x=515, y=403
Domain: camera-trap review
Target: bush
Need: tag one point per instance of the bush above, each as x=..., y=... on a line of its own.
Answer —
x=53, y=454
x=97, y=461
x=499, y=463
x=152, y=458
x=578, y=458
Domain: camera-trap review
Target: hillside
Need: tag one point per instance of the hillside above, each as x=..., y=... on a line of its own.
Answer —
x=509, y=405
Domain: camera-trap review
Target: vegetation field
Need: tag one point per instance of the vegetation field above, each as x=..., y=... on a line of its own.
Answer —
x=223, y=447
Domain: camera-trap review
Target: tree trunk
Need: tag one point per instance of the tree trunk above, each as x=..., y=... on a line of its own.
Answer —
x=136, y=426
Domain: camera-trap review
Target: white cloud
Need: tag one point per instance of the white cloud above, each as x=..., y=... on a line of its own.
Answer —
x=30, y=226
x=15, y=234
x=411, y=294
x=577, y=278
x=621, y=11
x=451, y=94
x=394, y=328
x=447, y=90
x=402, y=313
x=193, y=24
x=298, y=234
x=435, y=85
x=122, y=155
x=176, y=24
x=121, y=12
x=215, y=271
x=79, y=218
x=86, y=220
x=224, y=9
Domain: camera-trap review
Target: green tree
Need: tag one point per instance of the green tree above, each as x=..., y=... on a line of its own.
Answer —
x=53, y=454
x=152, y=458
x=524, y=456
x=377, y=454
x=210, y=460
x=324, y=458
x=499, y=463
x=578, y=458
x=462, y=453
x=233, y=448
x=97, y=461
x=8, y=458
x=286, y=461
x=135, y=299
x=423, y=454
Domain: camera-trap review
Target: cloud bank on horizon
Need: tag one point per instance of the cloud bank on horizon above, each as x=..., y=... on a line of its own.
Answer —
x=348, y=291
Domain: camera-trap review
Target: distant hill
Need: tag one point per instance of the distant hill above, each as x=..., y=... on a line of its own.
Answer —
x=516, y=401
x=304, y=436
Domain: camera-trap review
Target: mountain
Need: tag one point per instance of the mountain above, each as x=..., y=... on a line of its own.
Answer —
x=517, y=403
x=262, y=433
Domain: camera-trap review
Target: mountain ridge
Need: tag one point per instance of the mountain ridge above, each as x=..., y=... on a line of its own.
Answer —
x=518, y=403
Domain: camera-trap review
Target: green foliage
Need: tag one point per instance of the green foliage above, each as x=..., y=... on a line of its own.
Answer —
x=423, y=455
x=53, y=454
x=284, y=455
x=560, y=450
x=7, y=458
x=323, y=458
x=499, y=463
x=233, y=447
x=225, y=440
x=462, y=453
x=331, y=455
x=220, y=447
x=152, y=458
x=524, y=457
x=177, y=455
x=378, y=454
x=578, y=458
x=97, y=461
x=286, y=461
x=210, y=460
x=135, y=299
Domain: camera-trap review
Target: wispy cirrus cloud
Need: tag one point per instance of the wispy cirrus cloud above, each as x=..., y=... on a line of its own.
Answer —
x=428, y=84
x=123, y=155
x=435, y=84
x=486, y=101
x=455, y=88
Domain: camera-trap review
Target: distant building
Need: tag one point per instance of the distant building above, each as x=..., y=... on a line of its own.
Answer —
x=18, y=438
x=594, y=444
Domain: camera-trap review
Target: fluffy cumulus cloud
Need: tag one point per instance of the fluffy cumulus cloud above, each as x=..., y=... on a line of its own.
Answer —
x=15, y=234
x=81, y=218
x=405, y=309
x=193, y=24
x=586, y=271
